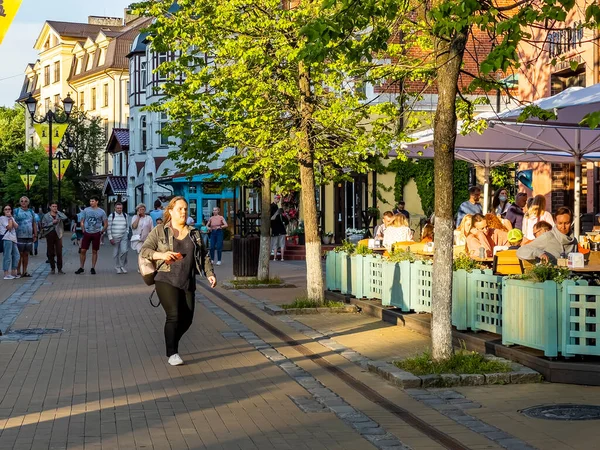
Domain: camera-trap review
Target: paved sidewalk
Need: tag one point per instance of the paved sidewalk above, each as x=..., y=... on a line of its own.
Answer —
x=104, y=381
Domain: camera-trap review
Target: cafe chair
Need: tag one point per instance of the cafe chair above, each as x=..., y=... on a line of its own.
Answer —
x=507, y=263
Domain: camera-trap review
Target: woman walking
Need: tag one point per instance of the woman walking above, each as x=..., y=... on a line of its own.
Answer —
x=180, y=254
x=8, y=229
x=141, y=226
x=215, y=224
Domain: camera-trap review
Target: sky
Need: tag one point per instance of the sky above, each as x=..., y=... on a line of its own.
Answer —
x=17, y=48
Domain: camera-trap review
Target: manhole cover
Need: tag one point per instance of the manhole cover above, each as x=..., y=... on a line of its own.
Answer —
x=36, y=331
x=563, y=411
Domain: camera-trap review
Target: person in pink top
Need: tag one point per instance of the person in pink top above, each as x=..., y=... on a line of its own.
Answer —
x=216, y=224
x=536, y=213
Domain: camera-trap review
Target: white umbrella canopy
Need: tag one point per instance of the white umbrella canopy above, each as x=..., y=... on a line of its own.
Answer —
x=502, y=143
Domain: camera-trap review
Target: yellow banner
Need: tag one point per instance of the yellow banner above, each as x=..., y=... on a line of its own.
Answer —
x=26, y=182
x=8, y=11
x=64, y=165
x=58, y=132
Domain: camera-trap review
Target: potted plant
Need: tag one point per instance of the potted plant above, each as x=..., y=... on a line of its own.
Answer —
x=327, y=238
x=226, y=239
x=373, y=212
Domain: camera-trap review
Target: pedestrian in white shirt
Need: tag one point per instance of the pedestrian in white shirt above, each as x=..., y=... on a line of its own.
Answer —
x=142, y=225
x=118, y=235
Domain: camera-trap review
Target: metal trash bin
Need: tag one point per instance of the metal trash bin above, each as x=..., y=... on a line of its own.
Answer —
x=245, y=256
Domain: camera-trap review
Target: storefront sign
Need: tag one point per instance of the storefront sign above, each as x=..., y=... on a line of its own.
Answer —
x=212, y=188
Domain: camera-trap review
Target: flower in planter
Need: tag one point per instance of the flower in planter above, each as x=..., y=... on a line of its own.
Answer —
x=328, y=234
x=356, y=231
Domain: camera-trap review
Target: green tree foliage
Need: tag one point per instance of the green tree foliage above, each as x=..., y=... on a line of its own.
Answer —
x=422, y=172
x=12, y=136
x=14, y=188
x=245, y=87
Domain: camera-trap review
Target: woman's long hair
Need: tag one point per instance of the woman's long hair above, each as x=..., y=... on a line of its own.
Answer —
x=496, y=199
x=170, y=206
x=538, y=207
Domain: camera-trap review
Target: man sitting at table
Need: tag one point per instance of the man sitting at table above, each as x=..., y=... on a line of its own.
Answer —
x=548, y=247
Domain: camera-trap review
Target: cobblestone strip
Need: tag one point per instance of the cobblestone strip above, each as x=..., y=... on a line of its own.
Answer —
x=13, y=305
x=361, y=423
x=450, y=403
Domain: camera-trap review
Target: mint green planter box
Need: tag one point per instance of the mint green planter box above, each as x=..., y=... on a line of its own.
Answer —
x=346, y=273
x=373, y=276
x=420, y=286
x=580, y=330
x=332, y=275
x=530, y=315
x=396, y=285
x=460, y=299
x=359, y=284
x=485, y=301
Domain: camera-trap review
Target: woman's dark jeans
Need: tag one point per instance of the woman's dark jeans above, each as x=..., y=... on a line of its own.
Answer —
x=179, y=307
x=216, y=243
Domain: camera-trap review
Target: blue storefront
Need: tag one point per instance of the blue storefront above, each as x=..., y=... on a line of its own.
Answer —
x=203, y=193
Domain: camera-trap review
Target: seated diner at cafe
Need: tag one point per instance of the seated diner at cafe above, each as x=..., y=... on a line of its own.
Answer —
x=427, y=234
x=387, y=218
x=397, y=231
x=551, y=245
x=479, y=235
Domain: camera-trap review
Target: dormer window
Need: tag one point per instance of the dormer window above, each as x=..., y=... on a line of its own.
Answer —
x=90, y=61
x=102, y=58
x=78, y=66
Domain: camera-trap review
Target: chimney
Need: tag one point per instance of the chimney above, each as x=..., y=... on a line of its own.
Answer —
x=105, y=21
x=129, y=16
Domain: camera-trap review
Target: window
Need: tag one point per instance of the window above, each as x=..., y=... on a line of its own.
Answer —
x=162, y=58
x=128, y=92
x=90, y=61
x=79, y=65
x=105, y=123
x=47, y=104
x=144, y=140
x=105, y=95
x=46, y=75
x=143, y=77
x=93, y=99
x=57, y=71
x=102, y=57
x=57, y=100
x=81, y=101
x=164, y=139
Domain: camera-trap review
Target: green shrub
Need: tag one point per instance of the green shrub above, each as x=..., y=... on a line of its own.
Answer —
x=302, y=302
x=544, y=272
x=464, y=262
x=363, y=250
x=400, y=255
x=347, y=247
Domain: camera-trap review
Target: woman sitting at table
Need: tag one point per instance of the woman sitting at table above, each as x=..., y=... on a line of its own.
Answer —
x=427, y=234
x=498, y=224
x=536, y=213
x=387, y=218
x=460, y=235
x=397, y=231
x=479, y=235
x=498, y=232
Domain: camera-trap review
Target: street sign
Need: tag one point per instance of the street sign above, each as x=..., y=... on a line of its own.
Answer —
x=28, y=183
x=58, y=131
x=8, y=10
x=64, y=165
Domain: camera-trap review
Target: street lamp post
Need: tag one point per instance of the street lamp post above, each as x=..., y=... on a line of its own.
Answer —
x=28, y=173
x=60, y=156
x=51, y=118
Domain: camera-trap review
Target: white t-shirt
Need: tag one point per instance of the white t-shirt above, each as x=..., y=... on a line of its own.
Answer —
x=391, y=235
x=8, y=235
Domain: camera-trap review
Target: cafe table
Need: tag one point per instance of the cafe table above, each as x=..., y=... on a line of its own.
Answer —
x=593, y=264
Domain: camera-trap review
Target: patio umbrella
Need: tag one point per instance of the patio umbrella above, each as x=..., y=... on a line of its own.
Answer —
x=503, y=143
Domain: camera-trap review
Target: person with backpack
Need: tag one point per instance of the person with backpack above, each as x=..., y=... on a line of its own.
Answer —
x=26, y=233
x=179, y=254
x=118, y=235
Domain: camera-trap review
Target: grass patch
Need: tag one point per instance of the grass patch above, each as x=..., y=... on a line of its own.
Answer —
x=461, y=362
x=256, y=282
x=306, y=303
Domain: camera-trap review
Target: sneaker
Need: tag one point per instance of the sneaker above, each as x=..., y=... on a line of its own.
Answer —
x=53, y=272
x=119, y=270
x=9, y=277
x=175, y=360
x=60, y=272
x=79, y=271
x=218, y=263
x=282, y=259
x=123, y=269
x=93, y=271
x=17, y=276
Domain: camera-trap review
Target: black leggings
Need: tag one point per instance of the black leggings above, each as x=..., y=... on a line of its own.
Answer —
x=179, y=307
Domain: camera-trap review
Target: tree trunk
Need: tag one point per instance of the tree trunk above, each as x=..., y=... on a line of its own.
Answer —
x=449, y=55
x=314, y=270
x=265, y=229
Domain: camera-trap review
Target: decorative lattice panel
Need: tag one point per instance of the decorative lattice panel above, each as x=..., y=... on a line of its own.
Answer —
x=421, y=278
x=582, y=330
x=486, y=301
x=374, y=277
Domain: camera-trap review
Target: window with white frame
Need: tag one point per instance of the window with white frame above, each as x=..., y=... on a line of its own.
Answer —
x=93, y=99
x=90, y=61
x=162, y=58
x=143, y=141
x=143, y=76
x=164, y=139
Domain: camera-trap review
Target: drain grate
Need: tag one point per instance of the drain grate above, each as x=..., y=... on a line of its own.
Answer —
x=36, y=331
x=564, y=411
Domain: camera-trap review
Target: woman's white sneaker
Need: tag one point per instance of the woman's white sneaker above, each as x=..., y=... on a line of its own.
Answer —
x=9, y=277
x=175, y=360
